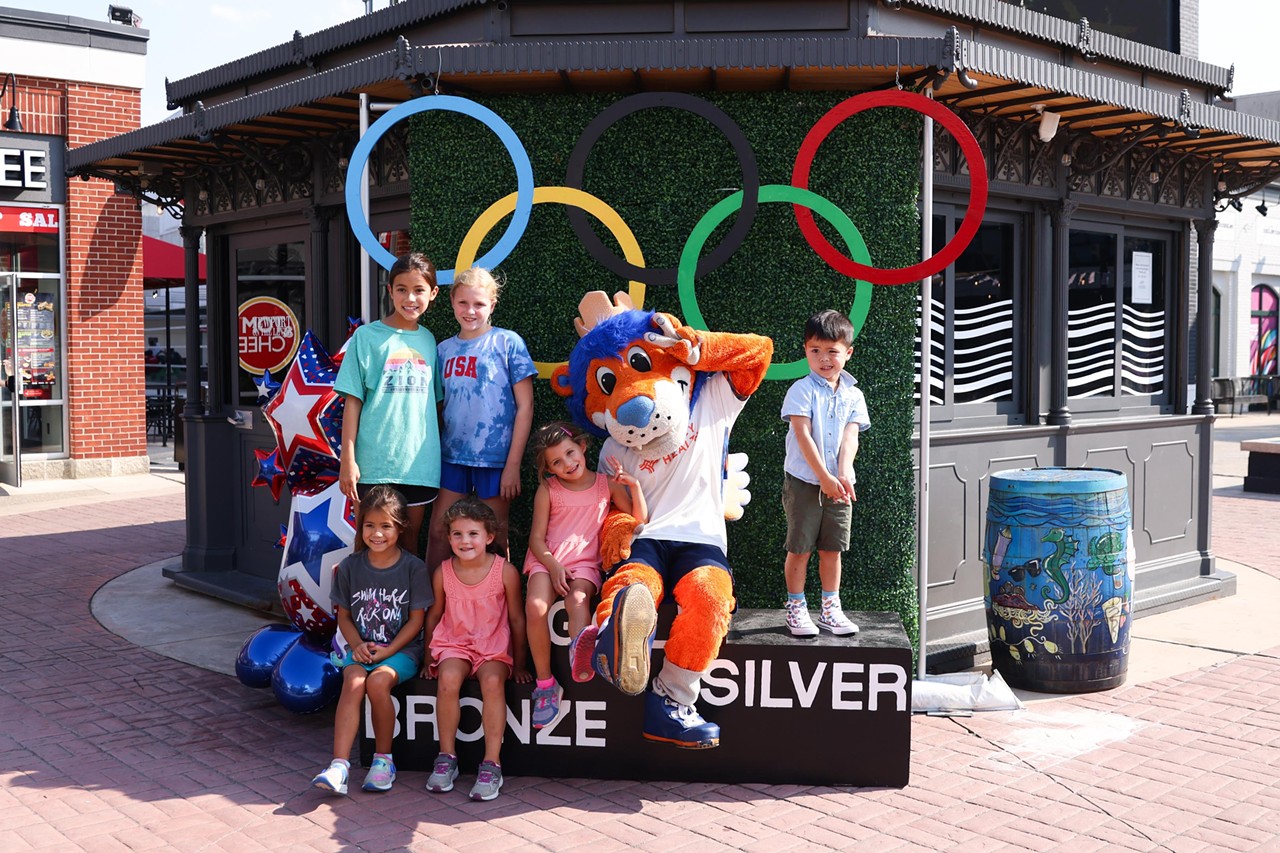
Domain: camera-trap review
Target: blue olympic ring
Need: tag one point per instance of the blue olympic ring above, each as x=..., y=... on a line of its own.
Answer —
x=359, y=219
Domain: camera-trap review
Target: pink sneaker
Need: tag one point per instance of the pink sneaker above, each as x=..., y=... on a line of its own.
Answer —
x=580, y=652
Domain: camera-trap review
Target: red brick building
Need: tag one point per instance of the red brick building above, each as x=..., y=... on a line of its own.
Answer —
x=70, y=253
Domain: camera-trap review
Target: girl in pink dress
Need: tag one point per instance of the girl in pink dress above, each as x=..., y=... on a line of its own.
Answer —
x=475, y=627
x=564, y=547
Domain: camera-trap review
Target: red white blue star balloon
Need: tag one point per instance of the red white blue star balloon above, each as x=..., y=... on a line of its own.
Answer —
x=269, y=473
x=321, y=532
x=306, y=412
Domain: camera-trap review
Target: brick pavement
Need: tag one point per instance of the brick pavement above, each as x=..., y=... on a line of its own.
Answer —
x=107, y=746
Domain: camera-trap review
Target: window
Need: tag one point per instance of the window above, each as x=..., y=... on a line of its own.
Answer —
x=1264, y=316
x=270, y=291
x=1117, y=333
x=974, y=363
x=32, y=300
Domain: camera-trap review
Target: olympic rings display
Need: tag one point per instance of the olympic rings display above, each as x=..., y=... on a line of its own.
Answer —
x=519, y=158
x=745, y=202
x=769, y=193
x=675, y=100
x=977, y=185
x=573, y=199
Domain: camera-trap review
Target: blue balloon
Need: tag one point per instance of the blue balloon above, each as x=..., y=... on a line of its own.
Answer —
x=305, y=680
x=262, y=651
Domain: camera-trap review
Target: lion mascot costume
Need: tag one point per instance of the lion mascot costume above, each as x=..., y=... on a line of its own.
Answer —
x=664, y=396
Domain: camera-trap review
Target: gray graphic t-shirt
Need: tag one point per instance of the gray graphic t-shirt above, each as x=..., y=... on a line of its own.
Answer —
x=380, y=599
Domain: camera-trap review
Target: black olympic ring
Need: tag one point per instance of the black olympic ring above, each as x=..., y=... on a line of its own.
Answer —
x=746, y=159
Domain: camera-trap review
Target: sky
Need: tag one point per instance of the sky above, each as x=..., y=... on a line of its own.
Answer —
x=190, y=36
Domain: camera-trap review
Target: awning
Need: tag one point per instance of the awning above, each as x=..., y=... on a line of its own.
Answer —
x=1009, y=83
x=162, y=260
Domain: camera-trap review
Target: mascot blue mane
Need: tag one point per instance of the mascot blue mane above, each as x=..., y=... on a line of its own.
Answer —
x=607, y=340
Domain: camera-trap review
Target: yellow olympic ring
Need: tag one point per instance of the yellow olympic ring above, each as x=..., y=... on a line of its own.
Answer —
x=608, y=217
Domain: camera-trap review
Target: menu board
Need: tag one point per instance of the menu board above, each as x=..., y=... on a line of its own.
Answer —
x=37, y=344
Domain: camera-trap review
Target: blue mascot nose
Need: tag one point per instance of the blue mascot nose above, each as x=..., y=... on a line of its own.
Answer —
x=635, y=412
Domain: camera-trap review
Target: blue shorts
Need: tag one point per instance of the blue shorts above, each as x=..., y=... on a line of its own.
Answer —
x=673, y=560
x=403, y=663
x=464, y=479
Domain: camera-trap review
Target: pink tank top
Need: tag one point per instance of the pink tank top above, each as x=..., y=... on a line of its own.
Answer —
x=574, y=522
x=475, y=623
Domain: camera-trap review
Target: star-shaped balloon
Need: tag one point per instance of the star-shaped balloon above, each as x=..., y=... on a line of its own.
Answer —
x=311, y=472
x=269, y=473
x=321, y=532
x=353, y=323
x=267, y=387
x=306, y=412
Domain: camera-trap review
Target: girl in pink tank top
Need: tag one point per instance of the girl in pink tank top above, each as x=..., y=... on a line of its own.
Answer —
x=475, y=627
x=569, y=509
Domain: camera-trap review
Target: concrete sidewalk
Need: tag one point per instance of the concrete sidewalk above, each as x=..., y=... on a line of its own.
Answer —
x=111, y=743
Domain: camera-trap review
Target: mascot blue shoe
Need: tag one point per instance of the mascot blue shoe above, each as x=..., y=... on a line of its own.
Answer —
x=625, y=640
x=667, y=721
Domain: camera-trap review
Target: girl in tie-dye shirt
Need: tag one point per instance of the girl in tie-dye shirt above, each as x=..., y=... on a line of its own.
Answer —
x=488, y=409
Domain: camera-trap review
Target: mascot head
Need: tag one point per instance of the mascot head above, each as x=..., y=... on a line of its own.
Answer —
x=622, y=381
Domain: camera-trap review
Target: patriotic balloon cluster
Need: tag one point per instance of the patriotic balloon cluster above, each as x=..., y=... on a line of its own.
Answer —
x=305, y=414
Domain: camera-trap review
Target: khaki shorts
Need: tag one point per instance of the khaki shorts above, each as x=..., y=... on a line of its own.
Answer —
x=814, y=521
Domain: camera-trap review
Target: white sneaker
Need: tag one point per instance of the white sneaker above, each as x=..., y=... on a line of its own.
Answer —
x=833, y=619
x=798, y=621
x=332, y=778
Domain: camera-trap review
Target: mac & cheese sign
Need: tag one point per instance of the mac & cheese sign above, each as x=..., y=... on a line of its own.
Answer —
x=267, y=334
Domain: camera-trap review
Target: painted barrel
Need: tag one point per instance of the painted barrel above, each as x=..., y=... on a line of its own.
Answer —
x=1059, y=562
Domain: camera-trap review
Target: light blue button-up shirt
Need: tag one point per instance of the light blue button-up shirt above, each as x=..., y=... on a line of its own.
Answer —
x=829, y=410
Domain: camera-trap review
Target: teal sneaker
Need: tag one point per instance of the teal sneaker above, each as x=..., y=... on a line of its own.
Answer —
x=381, y=775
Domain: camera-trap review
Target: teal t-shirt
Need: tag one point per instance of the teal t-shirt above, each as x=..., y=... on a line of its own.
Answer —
x=395, y=375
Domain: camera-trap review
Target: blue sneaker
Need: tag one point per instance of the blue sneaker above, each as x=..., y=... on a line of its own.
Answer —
x=625, y=640
x=667, y=721
x=546, y=704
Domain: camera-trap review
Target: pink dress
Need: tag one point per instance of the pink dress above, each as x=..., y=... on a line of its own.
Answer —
x=573, y=529
x=475, y=626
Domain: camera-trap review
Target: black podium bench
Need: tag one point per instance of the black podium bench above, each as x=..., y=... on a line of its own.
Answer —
x=822, y=711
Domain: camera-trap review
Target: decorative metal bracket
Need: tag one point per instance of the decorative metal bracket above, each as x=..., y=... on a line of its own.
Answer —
x=298, y=51
x=1084, y=41
x=203, y=134
x=1184, y=115
x=953, y=61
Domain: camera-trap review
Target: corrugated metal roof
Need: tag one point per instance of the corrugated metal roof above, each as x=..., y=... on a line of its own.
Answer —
x=1015, y=19
x=457, y=60
x=1019, y=68
x=664, y=54
x=301, y=51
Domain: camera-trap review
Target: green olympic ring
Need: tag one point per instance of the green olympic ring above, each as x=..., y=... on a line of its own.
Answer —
x=791, y=195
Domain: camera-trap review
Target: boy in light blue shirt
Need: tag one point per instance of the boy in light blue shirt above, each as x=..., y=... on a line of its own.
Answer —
x=826, y=412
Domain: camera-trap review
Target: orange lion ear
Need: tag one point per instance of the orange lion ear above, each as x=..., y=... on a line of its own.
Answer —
x=560, y=381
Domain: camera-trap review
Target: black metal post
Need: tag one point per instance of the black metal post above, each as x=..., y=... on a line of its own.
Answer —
x=1205, y=343
x=166, y=415
x=1059, y=414
x=191, y=279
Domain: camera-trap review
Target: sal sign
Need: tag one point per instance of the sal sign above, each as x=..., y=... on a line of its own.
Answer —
x=268, y=335
x=29, y=220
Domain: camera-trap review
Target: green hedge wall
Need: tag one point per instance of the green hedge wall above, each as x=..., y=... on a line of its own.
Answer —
x=662, y=169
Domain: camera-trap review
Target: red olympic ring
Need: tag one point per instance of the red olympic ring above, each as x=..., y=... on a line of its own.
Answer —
x=977, y=185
